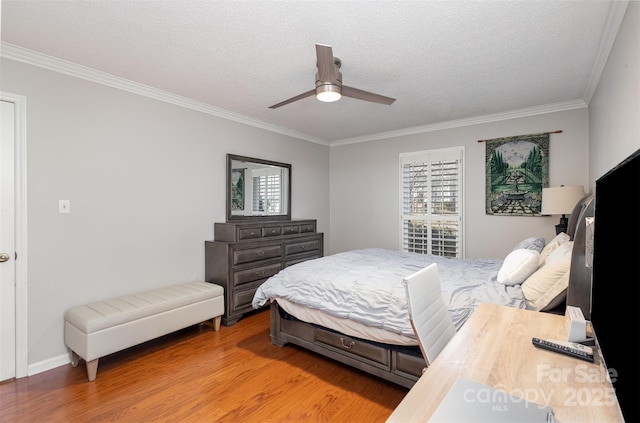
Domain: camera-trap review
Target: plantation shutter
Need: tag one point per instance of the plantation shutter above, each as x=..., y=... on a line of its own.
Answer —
x=431, y=203
x=267, y=192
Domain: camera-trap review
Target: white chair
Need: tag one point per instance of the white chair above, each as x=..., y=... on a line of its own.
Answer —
x=428, y=313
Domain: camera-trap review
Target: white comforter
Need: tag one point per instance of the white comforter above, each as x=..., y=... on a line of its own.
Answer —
x=366, y=286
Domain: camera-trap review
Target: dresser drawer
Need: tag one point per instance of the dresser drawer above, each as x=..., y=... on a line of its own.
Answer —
x=254, y=230
x=353, y=346
x=272, y=231
x=242, y=299
x=256, y=254
x=307, y=228
x=255, y=274
x=302, y=246
x=299, y=258
x=290, y=229
x=249, y=233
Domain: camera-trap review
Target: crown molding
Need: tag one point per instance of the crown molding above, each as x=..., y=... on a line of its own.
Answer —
x=31, y=57
x=617, y=10
x=511, y=114
x=20, y=54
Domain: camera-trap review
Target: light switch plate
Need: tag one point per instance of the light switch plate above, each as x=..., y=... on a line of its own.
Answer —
x=64, y=206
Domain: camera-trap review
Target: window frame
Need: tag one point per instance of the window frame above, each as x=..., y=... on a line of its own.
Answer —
x=431, y=156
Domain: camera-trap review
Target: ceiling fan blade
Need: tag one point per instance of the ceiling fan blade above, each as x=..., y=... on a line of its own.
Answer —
x=326, y=66
x=366, y=95
x=292, y=99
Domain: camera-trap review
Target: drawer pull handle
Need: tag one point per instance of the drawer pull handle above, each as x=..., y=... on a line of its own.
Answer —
x=303, y=247
x=252, y=233
x=260, y=253
x=262, y=273
x=347, y=347
x=273, y=231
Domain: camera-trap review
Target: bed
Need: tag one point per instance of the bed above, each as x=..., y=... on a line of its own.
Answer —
x=351, y=306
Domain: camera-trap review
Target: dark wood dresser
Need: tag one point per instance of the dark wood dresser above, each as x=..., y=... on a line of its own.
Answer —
x=245, y=254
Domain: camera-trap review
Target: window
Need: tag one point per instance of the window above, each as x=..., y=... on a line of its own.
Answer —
x=267, y=192
x=431, y=202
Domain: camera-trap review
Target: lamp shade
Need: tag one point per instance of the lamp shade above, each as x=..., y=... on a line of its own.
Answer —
x=560, y=200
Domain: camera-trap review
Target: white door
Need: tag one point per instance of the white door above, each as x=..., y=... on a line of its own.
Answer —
x=7, y=242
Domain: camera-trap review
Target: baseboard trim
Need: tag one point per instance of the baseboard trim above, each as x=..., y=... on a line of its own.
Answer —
x=48, y=364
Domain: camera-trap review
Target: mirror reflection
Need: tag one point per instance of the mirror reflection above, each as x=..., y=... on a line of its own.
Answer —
x=257, y=188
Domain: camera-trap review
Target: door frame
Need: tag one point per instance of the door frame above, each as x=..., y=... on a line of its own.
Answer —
x=20, y=169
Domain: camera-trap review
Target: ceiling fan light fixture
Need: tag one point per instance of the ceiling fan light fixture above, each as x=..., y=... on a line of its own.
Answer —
x=328, y=93
x=329, y=86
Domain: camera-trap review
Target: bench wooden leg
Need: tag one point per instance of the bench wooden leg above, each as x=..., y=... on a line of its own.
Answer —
x=92, y=369
x=215, y=324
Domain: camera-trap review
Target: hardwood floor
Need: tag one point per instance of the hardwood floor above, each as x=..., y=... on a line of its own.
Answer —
x=198, y=375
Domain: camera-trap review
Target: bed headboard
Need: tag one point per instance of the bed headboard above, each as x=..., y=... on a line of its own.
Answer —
x=579, y=289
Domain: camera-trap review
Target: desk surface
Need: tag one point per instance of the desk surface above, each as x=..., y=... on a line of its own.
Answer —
x=494, y=348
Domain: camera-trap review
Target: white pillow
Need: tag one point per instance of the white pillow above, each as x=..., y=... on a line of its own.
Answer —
x=552, y=245
x=550, y=281
x=561, y=254
x=518, y=266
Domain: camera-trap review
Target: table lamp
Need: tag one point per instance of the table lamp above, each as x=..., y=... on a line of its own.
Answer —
x=561, y=200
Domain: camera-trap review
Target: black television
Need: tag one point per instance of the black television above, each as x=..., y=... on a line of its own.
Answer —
x=615, y=301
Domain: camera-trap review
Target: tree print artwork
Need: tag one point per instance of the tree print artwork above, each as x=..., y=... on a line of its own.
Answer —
x=517, y=168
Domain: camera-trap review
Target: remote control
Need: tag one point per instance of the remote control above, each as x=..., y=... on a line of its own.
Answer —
x=582, y=355
x=574, y=345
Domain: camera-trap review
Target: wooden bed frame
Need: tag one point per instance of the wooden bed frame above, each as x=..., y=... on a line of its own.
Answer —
x=398, y=365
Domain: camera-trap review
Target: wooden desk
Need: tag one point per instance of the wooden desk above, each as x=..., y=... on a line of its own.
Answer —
x=494, y=348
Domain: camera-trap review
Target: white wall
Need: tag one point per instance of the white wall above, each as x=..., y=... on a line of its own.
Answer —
x=614, y=111
x=365, y=183
x=146, y=181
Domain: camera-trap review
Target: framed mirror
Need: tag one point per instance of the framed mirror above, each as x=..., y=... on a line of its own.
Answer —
x=257, y=189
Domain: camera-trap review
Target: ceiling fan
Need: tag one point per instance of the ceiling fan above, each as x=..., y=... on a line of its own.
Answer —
x=329, y=82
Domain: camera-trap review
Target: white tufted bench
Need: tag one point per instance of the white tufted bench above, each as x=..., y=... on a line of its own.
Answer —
x=95, y=330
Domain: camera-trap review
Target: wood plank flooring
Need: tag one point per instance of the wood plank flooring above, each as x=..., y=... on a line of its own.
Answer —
x=198, y=375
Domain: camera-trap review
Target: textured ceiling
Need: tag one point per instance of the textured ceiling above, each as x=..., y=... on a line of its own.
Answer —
x=441, y=60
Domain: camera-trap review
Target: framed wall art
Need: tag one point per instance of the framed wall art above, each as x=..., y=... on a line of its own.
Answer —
x=237, y=189
x=517, y=168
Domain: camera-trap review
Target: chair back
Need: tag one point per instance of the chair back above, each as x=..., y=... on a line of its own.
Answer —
x=428, y=313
